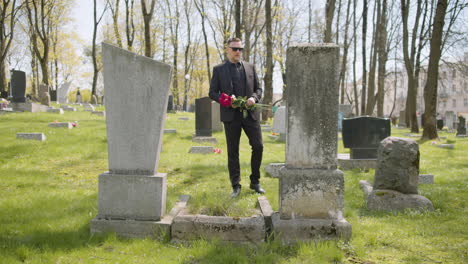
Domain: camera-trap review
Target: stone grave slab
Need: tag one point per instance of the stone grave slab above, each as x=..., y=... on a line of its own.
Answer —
x=61, y=124
x=170, y=131
x=33, y=136
x=201, y=150
x=99, y=113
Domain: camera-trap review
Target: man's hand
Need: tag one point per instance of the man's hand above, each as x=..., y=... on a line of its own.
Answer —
x=250, y=101
x=233, y=98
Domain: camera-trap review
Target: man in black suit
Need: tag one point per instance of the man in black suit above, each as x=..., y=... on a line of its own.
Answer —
x=237, y=78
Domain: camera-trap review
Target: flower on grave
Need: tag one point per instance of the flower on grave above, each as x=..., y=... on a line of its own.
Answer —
x=217, y=150
x=74, y=124
x=225, y=100
x=55, y=121
x=433, y=143
x=274, y=134
x=3, y=103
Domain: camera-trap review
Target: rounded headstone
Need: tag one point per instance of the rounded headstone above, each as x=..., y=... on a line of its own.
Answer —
x=397, y=165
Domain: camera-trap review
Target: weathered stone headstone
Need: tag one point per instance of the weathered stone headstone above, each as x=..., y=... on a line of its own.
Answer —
x=94, y=99
x=18, y=86
x=99, y=113
x=203, y=124
x=402, y=119
x=461, y=129
x=279, y=123
x=88, y=107
x=397, y=177
x=55, y=110
x=136, y=99
x=78, y=96
x=33, y=136
x=216, y=117
x=450, y=120
x=53, y=95
x=311, y=186
x=363, y=135
x=62, y=93
x=61, y=124
x=44, y=96
x=170, y=103
x=440, y=124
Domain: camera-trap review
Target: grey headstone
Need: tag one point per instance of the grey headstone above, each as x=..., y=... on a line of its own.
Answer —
x=461, y=129
x=279, y=120
x=446, y=146
x=62, y=93
x=99, y=113
x=61, y=124
x=402, y=119
x=69, y=109
x=203, y=123
x=55, y=110
x=201, y=149
x=170, y=131
x=136, y=99
x=397, y=165
x=88, y=107
x=33, y=136
x=390, y=200
x=311, y=187
x=216, y=123
x=184, y=118
x=18, y=86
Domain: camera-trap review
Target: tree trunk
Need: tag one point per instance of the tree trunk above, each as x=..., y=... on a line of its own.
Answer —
x=345, y=55
x=382, y=46
x=373, y=63
x=3, y=79
x=201, y=9
x=430, y=90
x=329, y=12
x=268, y=78
x=129, y=24
x=364, y=61
x=238, y=19
x=356, y=99
x=115, y=19
x=147, y=16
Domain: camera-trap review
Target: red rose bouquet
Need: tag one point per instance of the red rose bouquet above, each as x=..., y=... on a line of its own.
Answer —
x=239, y=103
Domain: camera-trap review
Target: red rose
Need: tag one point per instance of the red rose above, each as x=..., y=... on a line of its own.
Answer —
x=225, y=100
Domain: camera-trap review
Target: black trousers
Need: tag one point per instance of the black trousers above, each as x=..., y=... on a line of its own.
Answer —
x=233, y=132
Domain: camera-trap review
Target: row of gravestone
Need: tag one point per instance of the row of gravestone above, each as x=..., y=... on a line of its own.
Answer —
x=449, y=119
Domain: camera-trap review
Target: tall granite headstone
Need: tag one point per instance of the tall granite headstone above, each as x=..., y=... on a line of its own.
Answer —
x=136, y=100
x=363, y=134
x=170, y=103
x=203, y=123
x=311, y=187
x=18, y=86
x=216, y=124
x=450, y=120
x=402, y=119
x=62, y=93
x=461, y=129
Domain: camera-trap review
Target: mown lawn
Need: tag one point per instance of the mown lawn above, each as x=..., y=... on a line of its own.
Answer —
x=49, y=195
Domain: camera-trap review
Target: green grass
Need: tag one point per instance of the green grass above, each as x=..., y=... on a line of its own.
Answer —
x=49, y=196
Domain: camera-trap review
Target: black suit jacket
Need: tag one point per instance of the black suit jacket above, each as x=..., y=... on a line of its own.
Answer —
x=221, y=83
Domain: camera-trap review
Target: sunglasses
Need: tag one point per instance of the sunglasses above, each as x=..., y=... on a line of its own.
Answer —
x=236, y=49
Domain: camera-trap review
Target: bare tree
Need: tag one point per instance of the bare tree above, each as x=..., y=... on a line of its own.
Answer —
x=174, y=24
x=238, y=19
x=8, y=15
x=201, y=10
x=364, y=60
x=268, y=77
x=382, y=50
x=114, y=8
x=97, y=68
x=329, y=13
x=147, y=16
x=430, y=90
x=250, y=18
x=129, y=23
x=346, y=44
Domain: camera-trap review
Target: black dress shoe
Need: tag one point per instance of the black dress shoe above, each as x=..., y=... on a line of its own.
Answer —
x=235, y=192
x=257, y=188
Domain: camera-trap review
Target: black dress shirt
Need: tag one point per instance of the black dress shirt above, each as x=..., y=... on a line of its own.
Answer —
x=238, y=78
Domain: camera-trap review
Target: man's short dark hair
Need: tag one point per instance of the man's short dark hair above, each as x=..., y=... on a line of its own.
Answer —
x=233, y=40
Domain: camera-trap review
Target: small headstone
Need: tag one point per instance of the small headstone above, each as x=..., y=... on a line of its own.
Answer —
x=450, y=120
x=88, y=107
x=363, y=135
x=201, y=150
x=170, y=103
x=99, y=113
x=61, y=124
x=397, y=165
x=55, y=110
x=216, y=123
x=69, y=109
x=440, y=124
x=203, y=125
x=461, y=129
x=62, y=93
x=94, y=99
x=170, y=131
x=184, y=118
x=33, y=136
x=446, y=146
x=402, y=119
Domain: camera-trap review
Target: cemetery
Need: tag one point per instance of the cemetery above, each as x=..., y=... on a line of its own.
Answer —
x=106, y=183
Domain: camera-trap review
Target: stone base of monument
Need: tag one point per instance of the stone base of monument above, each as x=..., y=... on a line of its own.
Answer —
x=99, y=113
x=137, y=228
x=390, y=200
x=204, y=139
x=170, y=131
x=188, y=227
x=138, y=197
x=61, y=124
x=346, y=163
x=28, y=107
x=201, y=150
x=272, y=169
x=295, y=230
x=33, y=136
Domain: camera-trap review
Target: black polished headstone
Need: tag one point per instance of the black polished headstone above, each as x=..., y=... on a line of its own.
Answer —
x=170, y=103
x=440, y=124
x=461, y=129
x=18, y=86
x=4, y=94
x=363, y=134
x=203, y=126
